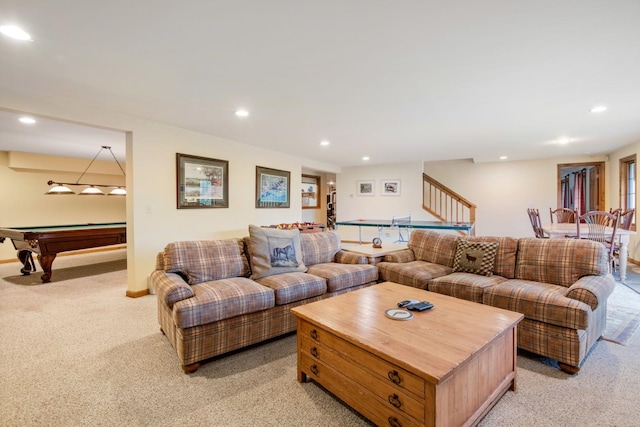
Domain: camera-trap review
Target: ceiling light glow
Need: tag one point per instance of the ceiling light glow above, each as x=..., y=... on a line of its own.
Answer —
x=15, y=32
x=598, y=109
x=365, y=158
x=324, y=143
x=503, y=157
x=27, y=120
x=242, y=113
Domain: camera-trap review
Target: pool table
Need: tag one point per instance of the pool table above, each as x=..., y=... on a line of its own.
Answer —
x=48, y=241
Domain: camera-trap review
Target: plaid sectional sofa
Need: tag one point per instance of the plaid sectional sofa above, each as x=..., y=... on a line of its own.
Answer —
x=208, y=305
x=560, y=285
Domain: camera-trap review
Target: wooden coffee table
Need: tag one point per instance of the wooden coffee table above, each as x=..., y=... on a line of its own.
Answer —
x=446, y=366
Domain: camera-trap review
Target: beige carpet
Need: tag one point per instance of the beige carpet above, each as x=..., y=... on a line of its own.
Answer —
x=77, y=352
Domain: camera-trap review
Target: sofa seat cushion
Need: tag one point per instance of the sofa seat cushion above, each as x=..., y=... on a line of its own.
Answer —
x=343, y=276
x=543, y=302
x=414, y=273
x=295, y=286
x=467, y=286
x=221, y=299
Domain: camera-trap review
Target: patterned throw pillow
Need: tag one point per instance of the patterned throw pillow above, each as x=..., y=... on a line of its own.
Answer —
x=274, y=251
x=475, y=257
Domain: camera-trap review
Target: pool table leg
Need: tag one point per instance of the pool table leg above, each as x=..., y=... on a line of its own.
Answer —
x=45, y=262
x=26, y=258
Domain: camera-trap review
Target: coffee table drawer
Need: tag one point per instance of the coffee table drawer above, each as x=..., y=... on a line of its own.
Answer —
x=391, y=373
x=396, y=398
x=355, y=395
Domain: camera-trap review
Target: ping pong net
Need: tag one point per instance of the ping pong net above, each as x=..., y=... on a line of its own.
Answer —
x=397, y=222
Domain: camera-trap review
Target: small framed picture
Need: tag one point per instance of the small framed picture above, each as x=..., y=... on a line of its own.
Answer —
x=365, y=188
x=390, y=187
x=273, y=188
x=202, y=182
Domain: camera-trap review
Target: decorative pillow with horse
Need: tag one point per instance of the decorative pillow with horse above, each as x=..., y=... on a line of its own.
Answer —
x=475, y=257
x=274, y=251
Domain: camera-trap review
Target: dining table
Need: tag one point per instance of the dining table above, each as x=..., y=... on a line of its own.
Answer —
x=568, y=230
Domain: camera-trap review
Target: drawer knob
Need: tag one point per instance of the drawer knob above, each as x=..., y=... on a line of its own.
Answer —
x=313, y=334
x=314, y=352
x=394, y=399
x=393, y=422
x=394, y=377
x=314, y=369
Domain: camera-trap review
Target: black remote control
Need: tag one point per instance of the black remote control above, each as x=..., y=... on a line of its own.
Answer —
x=419, y=306
x=407, y=302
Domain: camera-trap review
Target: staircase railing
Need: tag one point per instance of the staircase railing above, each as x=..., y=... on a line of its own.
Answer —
x=445, y=204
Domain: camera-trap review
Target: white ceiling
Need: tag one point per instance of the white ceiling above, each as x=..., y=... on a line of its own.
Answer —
x=394, y=80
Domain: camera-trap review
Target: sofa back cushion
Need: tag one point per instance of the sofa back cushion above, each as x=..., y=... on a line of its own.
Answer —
x=319, y=248
x=505, y=261
x=431, y=246
x=204, y=260
x=274, y=251
x=559, y=261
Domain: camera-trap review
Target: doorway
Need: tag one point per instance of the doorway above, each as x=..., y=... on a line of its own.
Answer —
x=581, y=186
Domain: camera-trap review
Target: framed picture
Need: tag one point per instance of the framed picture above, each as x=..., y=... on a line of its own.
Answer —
x=202, y=182
x=390, y=187
x=273, y=188
x=310, y=192
x=365, y=188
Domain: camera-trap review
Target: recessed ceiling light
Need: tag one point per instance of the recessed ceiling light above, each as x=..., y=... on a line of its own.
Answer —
x=365, y=158
x=242, y=113
x=324, y=143
x=563, y=141
x=503, y=157
x=27, y=120
x=15, y=32
x=598, y=109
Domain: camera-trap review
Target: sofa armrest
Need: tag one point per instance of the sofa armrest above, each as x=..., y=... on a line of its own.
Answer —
x=170, y=287
x=344, y=257
x=405, y=255
x=592, y=290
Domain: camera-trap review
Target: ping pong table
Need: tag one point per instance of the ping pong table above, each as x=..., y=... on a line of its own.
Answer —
x=467, y=227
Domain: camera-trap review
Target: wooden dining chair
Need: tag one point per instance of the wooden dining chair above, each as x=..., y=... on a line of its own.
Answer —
x=626, y=219
x=602, y=228
x=563, y=215
x=534, y=217
x=624, y=222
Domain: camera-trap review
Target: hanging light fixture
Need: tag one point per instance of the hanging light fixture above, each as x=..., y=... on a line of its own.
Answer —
x=60, y=188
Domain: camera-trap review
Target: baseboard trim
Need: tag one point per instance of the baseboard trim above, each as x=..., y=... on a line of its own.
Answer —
x=137, y=294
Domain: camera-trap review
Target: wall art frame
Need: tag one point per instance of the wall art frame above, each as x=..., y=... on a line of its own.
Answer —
x=202, y=182
x=273, y=188
x=366, y=188
x=390, y=187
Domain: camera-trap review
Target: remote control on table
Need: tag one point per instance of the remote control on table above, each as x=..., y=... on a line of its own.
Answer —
x=407, y=302
x=419, y=306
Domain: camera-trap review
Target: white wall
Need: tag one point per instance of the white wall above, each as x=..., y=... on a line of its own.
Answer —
x=350, y=206
x=504, y=190
x=152, y=217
